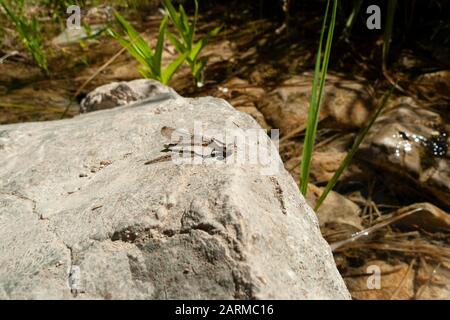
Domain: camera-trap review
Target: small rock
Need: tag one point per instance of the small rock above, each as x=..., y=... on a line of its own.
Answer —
x=434, y=86
x=412, y=143
x=286, y=107
x=395, y=281
x=336, y=209
x=426, y=216
x=105, y=163
x=121, y=93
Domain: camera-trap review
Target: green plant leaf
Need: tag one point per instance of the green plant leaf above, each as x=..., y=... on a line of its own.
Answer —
x=28, y=31
x=351, y=19
x=145, y=72
x=387, y=35
x=326, y=59
x=177, y=44
x=136, y=46
x=198, y=68
x=184, y=41
x=135, y=39
x=184, y=19
x=172, y=13
x=316, y=93
x=138, y=55
x=214, y=32
x=196, y=49
x=172, y=68
x=194, y=23
x=160, y=45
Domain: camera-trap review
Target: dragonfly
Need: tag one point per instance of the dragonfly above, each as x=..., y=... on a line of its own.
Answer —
x=192, y=145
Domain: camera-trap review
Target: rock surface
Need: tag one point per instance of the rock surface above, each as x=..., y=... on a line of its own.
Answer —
x=400, y=281
x=412, y=142
x=82, y=216
x=336, y=209
x=243, y=97
x=396, y=282
x=286, y=107
x=425, y=216
x=121, y=93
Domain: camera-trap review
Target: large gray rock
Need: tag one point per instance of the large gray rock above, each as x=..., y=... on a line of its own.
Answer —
x=82, y=216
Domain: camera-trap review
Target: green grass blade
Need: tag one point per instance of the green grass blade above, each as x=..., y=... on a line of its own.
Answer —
x=10, y=14
x=392, y=4
x=172, y=13
x=184, y=19
x=185, y=29
x=325, y=64
x=179, y=21
x=135, y=44
x=160, y=46
x=198, y=68
x=146, y=73
x=214, y=32
x=313, y=114
x=202, y=43
x=29, y=35
x=172, y=68
x=135, y=39
x=309, y=137
x=196, y=50
x=351, y=19
x=194, y=23
x=137, y=54
x=330, y=185
x=176, y=43
x=184, y=42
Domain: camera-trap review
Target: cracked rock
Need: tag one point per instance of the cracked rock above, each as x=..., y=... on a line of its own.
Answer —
x=165, y=230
